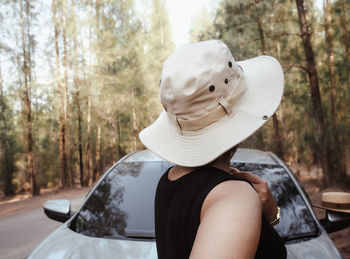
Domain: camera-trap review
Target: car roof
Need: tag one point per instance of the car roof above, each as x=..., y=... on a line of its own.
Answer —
x=242, y=155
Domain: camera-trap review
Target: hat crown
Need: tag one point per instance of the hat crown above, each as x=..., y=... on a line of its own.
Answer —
x=193, y=78
x=336, y=197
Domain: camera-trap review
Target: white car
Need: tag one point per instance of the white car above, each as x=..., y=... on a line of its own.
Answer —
x=116, y=219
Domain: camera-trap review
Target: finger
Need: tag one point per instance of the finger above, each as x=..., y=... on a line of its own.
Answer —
x=234, y=170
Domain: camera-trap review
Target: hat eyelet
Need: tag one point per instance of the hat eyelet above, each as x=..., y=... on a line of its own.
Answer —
x=265, y=117
x=212, y=88
x=230, y=64
x=226, y=81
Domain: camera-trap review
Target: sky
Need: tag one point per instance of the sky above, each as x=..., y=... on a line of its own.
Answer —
x=181, y=12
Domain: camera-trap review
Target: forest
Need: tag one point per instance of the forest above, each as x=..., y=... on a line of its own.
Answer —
x=79, y=79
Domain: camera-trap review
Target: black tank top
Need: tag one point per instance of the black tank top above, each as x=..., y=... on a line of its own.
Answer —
x=177, y=215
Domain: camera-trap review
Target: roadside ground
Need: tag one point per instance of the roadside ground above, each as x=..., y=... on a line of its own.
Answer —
x=19, y=203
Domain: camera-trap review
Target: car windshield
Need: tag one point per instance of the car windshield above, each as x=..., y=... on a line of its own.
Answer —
x=122, y=206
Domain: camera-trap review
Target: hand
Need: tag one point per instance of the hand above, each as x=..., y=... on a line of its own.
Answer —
x=269, y=205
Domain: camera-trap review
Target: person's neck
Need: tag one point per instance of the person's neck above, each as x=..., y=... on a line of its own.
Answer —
x=222, y=164
x=178, y=171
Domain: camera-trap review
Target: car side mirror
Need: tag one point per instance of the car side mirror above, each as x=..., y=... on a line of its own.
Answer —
x=58, y=210
x=335, y=221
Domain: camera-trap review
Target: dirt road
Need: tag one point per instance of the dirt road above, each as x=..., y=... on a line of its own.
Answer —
x=22, y=203
x=23, y=225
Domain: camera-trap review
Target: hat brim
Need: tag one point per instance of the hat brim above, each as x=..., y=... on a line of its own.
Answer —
x=263, y=76
x=331, y=209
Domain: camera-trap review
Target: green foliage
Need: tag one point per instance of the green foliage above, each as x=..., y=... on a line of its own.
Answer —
x=252, y=28
x=8, y=146
x=114, y=62
x=114, y=59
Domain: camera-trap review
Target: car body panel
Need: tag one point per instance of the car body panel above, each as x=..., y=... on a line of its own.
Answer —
x=66, y=243
x=317, y=248
x=59, y=246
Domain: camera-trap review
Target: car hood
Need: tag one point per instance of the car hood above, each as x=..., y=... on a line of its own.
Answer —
x=321, y=247
x=65, y=243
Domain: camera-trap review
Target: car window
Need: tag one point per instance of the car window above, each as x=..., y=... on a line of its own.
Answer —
x=296, y=220
x=122, y=205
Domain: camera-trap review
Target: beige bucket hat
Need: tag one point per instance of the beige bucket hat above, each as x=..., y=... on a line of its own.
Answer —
x=211, y=102
x=335, y=201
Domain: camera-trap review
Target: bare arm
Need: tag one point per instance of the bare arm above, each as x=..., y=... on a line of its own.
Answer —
x=230, y=223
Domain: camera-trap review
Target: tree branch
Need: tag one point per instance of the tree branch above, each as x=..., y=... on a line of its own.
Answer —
x=289, y=67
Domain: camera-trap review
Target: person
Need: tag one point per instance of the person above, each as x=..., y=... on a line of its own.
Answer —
x=204, y=208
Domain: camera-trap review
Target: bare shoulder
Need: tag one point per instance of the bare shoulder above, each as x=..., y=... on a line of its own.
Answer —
x=230, y=217
x=231, y=194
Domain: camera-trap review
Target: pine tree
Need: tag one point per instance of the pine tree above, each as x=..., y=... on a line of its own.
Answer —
x=158, y=47
x=337, y=161
x=321, y=137
x=26, y=59
x=8, y=143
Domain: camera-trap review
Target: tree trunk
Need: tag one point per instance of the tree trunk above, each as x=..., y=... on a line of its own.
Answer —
x=80, y=145
x=1, y=88
x=116, y=135
x=114, y=146
x=119, y=136
x=65, y=89
x=134, y=120
x=321, y=137
x=63, y=165
x=71, y=170
x=29, y=65
x=98, y=152
x=88, y=159
x=88, y=144
x=260, y=140
x=261, y=35
x=99, y=88
x=330, y=55
x=345, y=37
x=77, y=101
x=7, y=167
x=5, y=160
x=278, y=139
x=337, y=164
x=6, y=170
x=27, y=100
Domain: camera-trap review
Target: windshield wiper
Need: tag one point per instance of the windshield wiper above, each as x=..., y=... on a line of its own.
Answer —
x=139, y=234
x=300, y=236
